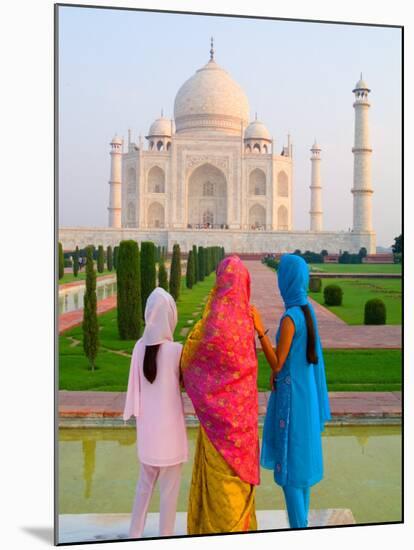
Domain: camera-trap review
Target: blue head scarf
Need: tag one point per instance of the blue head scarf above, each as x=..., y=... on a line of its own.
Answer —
x=293, y=280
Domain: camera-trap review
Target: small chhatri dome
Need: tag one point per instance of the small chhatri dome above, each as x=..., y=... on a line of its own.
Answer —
x=117, y=140
x=315, y=146
x=257, y=130
x=361, y=85
x=160, y=128
x=211, y=100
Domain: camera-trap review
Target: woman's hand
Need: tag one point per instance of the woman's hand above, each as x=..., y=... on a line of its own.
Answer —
x=272, y=380
x=257, y=320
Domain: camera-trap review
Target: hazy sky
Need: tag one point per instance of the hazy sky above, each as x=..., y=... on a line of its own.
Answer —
x=119, y=68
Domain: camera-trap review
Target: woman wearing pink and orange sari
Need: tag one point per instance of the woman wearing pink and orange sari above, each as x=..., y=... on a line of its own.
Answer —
x=219, y=368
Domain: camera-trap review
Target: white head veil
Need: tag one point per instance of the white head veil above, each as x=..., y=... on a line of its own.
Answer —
x=160, y=318
x=160, y=323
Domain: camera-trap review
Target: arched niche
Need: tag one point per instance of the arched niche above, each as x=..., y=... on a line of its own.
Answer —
x=282, y=218
x=156, y=180
x=207, y=192
x=257, y=182
x=282, y=184
x=257, y=217
x=156, y=215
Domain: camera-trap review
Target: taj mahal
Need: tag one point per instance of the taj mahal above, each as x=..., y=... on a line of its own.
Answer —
x=213, y=176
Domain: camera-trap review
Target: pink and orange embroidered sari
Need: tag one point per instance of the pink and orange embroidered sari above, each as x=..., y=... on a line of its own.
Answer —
x=219, y=367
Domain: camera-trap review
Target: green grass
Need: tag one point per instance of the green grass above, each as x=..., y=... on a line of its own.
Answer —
x=356, y=268
x=353, y=370
x=70, y=277
x=357, y=292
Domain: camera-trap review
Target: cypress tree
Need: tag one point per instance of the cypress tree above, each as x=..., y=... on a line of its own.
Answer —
x=101, y=259
x=162, y=276
x=109, y=258
x=200, y=258
x=115, y=256
x=90, y=328
x=189, y=276
x=61, y=262
x=207, y=269
x=175, y=272
x=195, y=263
x=148, y=271
x=128, y=278
x=76, y=262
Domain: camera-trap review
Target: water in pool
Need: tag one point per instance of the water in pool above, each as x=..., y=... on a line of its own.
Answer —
x=71, y=299
x=98, y=471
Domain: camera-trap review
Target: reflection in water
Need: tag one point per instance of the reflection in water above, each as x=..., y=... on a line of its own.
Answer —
x=98, y=471
x=72, y=298
x=89, y=454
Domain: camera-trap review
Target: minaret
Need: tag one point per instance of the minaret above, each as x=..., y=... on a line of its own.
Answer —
x=114, y=207
x=362, y=189
x=316, y=189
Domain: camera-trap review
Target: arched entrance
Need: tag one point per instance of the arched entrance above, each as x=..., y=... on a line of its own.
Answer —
x=156, y=215
x=257, y=217
x=207, y=197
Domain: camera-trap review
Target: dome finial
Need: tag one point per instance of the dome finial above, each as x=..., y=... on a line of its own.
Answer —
x=212, y=49
x=361, y=75
x=162, y=112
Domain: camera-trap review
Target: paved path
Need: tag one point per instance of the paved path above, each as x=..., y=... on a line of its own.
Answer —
x=344, y=405
x=82, y=282
x=74, y=318
x=334, y=332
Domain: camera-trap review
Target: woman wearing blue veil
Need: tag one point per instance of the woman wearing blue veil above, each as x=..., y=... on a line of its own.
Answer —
x=298, y=406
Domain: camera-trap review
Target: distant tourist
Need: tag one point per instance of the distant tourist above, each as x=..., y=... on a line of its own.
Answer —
x=154, y=398
x=219, y=367
x=298, y=405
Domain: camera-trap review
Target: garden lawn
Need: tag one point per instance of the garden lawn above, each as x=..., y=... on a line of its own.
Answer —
x=356, y=268
x=357, y=292
x=112, y=363
x=70, y=277
x=353, y=370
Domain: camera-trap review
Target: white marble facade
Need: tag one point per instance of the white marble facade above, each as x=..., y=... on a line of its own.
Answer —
x=214, y=176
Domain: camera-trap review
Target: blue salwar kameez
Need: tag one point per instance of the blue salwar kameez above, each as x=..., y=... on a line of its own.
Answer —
x=299, y=406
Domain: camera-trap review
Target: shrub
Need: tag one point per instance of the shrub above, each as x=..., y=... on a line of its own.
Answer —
x=333, y=295
x=315, y=284
x=61, y=262
x=116, y=252
x=175, y=272
x=375, y=312
x=162, y=275
x=189, y=275
x=109, y=258
x=67, y=262
x=324, y=252
x=90, y=328
x=362, y=252
x=397, y=247
x=398, y=258
x=195, y=264
x=101, y=259
x=148, y=271
x=200, y=258
x=129, y=291
x=76, y=262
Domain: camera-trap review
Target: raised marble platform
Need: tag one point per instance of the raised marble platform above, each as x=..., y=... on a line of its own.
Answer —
x=100, y=527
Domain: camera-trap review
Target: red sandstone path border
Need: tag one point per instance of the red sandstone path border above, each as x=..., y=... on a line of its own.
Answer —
x=74, y=318
x=82, y=282
x=334, y=332
x=97, y=404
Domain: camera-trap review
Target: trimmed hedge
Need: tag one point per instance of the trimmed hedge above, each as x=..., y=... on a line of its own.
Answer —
x=201, y=268
x=175, y=272
x=315, y=284
x=109, y=258
x=76, y=262
x=375, y=312
x=128, y=278
x=195, y=263
x=189, y=275
x=101, y=259
x=333, y=295
x=162, y=275
x=90, y=327
x=148, y=271
x=61, y=261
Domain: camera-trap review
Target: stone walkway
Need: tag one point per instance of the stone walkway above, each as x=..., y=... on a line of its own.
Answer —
x=334, y=332
x=344, y=405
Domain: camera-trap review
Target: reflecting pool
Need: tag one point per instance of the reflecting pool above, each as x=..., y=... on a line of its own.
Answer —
x=71, y=298
x=98, y=471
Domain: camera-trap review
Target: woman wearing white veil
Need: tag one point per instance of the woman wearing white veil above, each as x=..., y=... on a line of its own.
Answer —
x=154, y=398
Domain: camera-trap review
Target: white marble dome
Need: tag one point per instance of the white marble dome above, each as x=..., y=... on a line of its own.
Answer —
x=160, y=128
x=257, y=130
x=361, y=85
x=211, y=101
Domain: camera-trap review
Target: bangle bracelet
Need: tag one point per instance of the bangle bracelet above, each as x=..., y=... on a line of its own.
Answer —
x=264, y=334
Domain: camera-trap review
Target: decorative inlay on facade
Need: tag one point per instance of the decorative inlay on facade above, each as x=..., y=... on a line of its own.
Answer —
x=196, y=160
